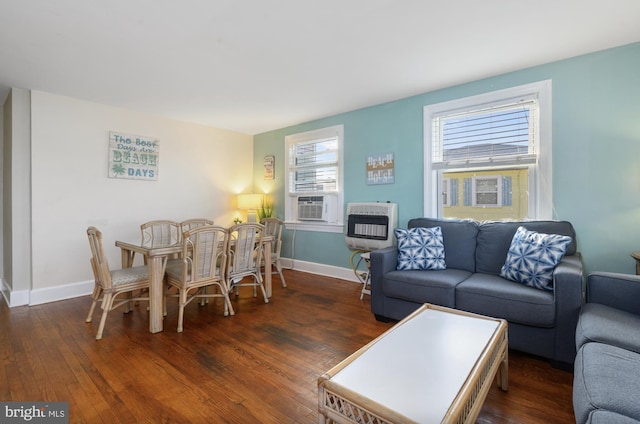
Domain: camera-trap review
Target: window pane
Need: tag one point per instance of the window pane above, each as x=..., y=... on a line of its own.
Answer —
x=316, y=153
x=512, y=196
x=486, y=184
x=505, y=131
x=314, y=179
x=445, y=192
x=487, y=198
x=314, y=166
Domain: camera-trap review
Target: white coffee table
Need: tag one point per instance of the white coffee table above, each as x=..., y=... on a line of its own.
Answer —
x=435, y=366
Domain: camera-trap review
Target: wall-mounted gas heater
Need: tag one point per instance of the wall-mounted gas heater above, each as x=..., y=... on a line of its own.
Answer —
x=371, y=225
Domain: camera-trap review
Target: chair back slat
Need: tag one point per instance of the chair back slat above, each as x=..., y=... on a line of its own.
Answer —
x=273, y=228
x=160, y=233
x=192, y=224
x=99, y=262
x=205, y=249
x=245, y=249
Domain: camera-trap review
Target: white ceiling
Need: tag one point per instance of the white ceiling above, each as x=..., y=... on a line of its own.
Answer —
x=258, y=65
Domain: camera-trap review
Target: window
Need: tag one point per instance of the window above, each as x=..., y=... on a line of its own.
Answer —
x=487, y=191
x=498, y=146
x=446, y=192
x=314, y=183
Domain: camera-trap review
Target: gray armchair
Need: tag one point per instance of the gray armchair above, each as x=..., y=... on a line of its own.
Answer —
x=607, y=365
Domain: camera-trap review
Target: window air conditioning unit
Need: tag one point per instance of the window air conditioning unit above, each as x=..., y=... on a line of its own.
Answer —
x=371, y=226
x=317, y=208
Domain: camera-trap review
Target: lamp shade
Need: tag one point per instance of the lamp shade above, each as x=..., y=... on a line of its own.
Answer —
x=248, y=201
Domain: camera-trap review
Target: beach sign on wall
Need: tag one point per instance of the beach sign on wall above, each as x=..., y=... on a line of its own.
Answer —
x=380, y=169
x=133, y=156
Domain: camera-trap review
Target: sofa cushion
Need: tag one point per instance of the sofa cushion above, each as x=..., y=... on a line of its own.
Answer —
x=494, y=240
x=605, y=378
x=436, y=287
x=499, y=298
x=420, y=248
x=459, y=239
x=533, y=256
x=600, y=323
x=600, y=416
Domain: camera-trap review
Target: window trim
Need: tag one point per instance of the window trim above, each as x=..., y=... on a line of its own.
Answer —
x=540, y=174
x=291, y=221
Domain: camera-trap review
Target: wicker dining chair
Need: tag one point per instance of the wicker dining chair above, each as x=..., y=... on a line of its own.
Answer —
x=193, y=223
x=202, y=265
x=109, y=284
x=273, y=228
x=160, y=232
x=244, y=257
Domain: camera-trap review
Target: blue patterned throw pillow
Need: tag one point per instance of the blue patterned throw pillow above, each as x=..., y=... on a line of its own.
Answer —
x=533, y=256
x=420, y=248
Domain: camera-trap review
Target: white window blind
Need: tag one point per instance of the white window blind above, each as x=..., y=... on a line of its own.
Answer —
x=313, y=166
x=492, y=135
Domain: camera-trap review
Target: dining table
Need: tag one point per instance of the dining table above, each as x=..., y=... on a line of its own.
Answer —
x=156, y=256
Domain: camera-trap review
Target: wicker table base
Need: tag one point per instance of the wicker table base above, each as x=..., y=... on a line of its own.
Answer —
x=436, y=365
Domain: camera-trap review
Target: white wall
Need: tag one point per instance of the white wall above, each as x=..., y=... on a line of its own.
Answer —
x=16, y=198
x=200, y=168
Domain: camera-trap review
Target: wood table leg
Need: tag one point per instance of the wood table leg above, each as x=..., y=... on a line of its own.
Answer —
x=156, y=266
x=127, y=257
x=503, y=372
x=267, y=249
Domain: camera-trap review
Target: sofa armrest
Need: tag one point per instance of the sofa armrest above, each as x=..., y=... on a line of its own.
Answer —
x=569, y=286
x=568, y=277
x=616, y=290
x=382, y=261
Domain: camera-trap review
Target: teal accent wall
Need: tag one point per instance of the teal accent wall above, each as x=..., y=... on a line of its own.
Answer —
x=596, y=156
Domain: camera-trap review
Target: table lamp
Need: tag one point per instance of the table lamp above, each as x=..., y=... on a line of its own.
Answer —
x=250, y=202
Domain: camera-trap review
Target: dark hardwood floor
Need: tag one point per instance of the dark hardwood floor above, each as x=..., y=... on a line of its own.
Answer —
x=259, y=366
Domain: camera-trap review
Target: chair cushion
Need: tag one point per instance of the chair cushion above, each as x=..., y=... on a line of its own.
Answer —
x=600, y=323
x=533, y=256
x=174, y=268
x=129, y=275
x=420, y=249
x=605, y=378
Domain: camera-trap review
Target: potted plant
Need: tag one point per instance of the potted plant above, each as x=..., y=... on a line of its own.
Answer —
x=266, y=209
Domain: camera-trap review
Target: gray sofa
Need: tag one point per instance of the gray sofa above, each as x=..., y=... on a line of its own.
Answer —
x=606, y=385
x=541, y=322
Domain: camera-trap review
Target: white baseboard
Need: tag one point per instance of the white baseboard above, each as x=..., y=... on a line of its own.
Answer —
x=84, y=288
x=50, y=294
x=14, y=297
x=67, y=291
x=320, y=269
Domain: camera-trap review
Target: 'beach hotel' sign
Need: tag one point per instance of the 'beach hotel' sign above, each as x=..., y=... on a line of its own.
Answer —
x=133, y=156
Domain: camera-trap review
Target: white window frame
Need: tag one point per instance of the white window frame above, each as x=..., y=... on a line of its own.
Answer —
x=474, y=189
x=290, y=200
x=540, y=174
